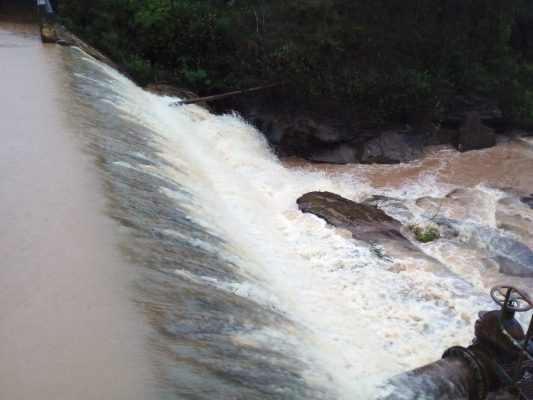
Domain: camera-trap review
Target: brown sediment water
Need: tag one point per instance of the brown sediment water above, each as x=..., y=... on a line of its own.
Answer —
x=507, y=165
x=68, y=327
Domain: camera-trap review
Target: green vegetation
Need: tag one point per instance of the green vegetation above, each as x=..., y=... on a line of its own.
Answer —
x=426, y=233
x=385, y=60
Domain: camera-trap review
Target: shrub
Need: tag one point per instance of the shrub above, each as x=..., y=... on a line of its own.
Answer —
x=426, y=233
x=392, y=61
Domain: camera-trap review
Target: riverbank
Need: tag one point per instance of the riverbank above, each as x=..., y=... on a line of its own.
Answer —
x=68, y=327
x=352, y=74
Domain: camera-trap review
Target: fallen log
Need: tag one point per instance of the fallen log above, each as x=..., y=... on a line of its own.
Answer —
x=223, y=95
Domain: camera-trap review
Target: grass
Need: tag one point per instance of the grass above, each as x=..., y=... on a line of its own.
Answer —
x=424, y=234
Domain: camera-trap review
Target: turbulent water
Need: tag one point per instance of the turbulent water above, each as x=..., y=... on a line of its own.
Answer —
x=248, y=297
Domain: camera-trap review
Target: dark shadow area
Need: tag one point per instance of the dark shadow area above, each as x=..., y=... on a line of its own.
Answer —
x=19, y=10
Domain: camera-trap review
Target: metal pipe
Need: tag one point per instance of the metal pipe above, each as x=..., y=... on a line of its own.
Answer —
x=457, y=376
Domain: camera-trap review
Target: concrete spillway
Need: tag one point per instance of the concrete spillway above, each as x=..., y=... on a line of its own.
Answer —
x=67, y=327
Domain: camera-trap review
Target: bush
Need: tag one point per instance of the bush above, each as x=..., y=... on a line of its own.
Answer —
x=426, y=233
x=392, y=61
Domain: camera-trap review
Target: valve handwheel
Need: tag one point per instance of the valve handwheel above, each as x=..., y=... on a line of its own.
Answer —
x=518, y=299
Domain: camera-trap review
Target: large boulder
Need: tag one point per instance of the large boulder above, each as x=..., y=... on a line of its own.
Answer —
x=474, y=135
x=338, y=153
x=369, y=224
x=302, y=136
x=391, y=147
x=364, y=221
x=305, y=136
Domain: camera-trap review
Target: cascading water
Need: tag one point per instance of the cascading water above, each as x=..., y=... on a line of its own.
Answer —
x=248, y=297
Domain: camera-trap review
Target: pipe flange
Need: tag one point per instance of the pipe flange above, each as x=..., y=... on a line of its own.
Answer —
x=482, y=387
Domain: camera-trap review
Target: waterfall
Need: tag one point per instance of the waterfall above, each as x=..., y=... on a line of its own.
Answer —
x=248, y=297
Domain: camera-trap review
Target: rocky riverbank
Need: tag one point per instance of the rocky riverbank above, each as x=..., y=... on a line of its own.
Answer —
x=334, y=136
x=472, y=122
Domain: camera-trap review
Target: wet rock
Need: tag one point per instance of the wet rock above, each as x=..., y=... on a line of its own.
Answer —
x=500, y=228
x=340, y=153
x=364, y=221
x=509, y=267
x=528, y=200
x=460, y=204
x=303, y=136
x=391, y=147
x=319, y=132
x=270, y=127
x=391, y=206
x=504, y=247
x=513, y=256
x=525, y=197
x=474, y=135
x=172, y=91
x=370, y=224
x=514, y=215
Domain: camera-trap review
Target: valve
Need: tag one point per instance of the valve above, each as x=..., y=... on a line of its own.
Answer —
x=501, y=344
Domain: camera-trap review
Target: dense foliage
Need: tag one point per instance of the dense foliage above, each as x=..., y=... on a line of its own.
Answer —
x=388, y=60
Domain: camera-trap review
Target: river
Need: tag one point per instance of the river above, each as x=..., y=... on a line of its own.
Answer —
x=215, y=285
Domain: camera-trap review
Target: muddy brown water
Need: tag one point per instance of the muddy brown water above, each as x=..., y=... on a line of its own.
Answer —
x=68, y=329
x=508, y=165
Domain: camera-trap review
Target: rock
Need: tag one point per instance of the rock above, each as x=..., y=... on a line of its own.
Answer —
x=527, y=200
x=340, y=153
x=390, y=148
x=461, y=105
x=514, y=257
x=303, y=136
x=320, y=132
x=270, y=127
x=329, y=142
x=391, y=206
x=474, y=135
x=364, y=221
x=168, y=90
x=514, y=215
x=501, y=229
x=172, y=91
x=371, y=225
x=460, y=204
x=524, y=196
x=509, y=267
